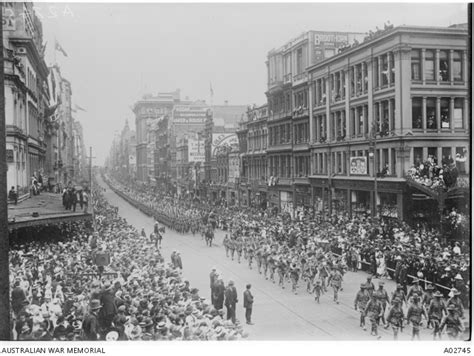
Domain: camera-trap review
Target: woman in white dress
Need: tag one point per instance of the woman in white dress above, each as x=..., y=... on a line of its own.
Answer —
x=381, y=267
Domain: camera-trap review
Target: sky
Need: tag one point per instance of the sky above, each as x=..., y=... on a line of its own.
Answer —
x=116, y=52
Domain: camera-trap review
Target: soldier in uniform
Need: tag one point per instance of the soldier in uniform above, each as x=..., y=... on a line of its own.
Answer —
x=457, y=302
x=415, y=288
x=382, y=296
x=369, y=286
x=335, y=279
x=294, y=276
x=239, y=247
x=259, y=257
x=250, y=254
x=266, y=260
x=400, y=294
x=452, y=322
x=226, y=245
x=414, y=314
x=281, y=272
x=395, y=317
x=373, y=311
x=232, y=248
x=323, y=274
x=272, y=264
x=426, y=301
x=317, y=291
x=436, y=312
x=360, y=302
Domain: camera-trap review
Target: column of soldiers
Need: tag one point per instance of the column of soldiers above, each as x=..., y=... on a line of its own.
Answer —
x=419, y=305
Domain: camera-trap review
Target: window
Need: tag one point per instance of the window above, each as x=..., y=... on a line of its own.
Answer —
x=365, y=77
x=445, y=114
x=393, y=166
x=415, y=64
x=433, y=154
x=443, y=66
x=457, y=66
x=299, y=60
x=385, y=72
x=417, y=156
x=353, y=122
x=375, y=71
x=430, y=65
x=392, y=67
x=458, y=114
x=431, y=113
x=417, y=113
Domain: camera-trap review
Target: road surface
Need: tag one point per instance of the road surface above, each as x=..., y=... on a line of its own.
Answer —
x=278, y=314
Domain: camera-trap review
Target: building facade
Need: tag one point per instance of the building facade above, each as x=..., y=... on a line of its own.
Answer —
x=384, y=104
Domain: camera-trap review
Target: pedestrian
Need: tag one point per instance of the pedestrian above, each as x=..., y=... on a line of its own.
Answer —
x=248, y=304
x=73, y=197
x=12, y=195
x=231, y=301
x=109, y=307
x=218, y=294
x=212, y=277
x=179, y=262
x=90, y=325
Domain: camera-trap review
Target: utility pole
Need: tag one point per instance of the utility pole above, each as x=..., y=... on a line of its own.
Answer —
x=90, y=187
x=4, y=240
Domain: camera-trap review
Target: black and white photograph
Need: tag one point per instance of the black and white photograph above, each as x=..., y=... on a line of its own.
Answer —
x=234, y=172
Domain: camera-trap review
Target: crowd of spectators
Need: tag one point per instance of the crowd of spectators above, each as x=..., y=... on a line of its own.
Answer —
x=59, y=290
x=384, y=247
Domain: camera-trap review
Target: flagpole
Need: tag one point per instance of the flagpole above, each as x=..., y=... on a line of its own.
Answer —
x=54, y=55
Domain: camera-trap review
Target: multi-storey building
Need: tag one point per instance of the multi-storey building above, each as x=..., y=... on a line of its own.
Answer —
x=26, y=95
x=81, y=166
x=288, y=106
x=153, y=157
x=254, y=179
x=395, y=99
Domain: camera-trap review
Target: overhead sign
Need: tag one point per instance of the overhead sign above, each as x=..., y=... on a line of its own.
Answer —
x=196, y=150
x=223, y=140
x=189, y=115
x=330, y=39
x=358, y=166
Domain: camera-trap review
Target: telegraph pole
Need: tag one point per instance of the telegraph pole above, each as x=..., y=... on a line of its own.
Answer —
x=4, y=240
x=90, y=187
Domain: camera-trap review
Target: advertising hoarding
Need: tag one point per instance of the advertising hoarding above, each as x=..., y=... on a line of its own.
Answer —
x=196, y=150
x=189, y=115
x=358, y=165
x=223, y=139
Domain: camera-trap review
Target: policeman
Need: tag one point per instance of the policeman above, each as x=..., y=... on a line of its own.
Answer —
x=360, y=302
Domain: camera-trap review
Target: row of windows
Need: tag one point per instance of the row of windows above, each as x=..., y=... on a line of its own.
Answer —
x=280, y=134
x=436, y=65
x=435, y=113
x=257, y=140
x=255, y=169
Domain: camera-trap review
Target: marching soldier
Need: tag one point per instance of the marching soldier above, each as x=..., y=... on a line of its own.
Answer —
x=415, y=288
x=395, y=317
x=281, y=272
x=456, y=301
x=414, y=314
x=272, y=264
x=335, y=279
x=382, y=296
x=426, y=301
x=369, y=286
x=399, y=293
x=360, y=302
x=294, y=276
x=232, y=246
x=452, y=322
x=239, y=247
x=250, y=254
x=226, y=245
x=373, y=311
x=436, y=312
x=317, y=291
x=259, y=257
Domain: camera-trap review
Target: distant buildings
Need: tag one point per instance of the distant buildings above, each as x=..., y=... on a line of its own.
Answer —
x=40, y=140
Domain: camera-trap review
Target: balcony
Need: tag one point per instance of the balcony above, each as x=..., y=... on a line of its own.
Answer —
x=287, y=78
x=300, y=78
x=300, y=112
x=279, y=115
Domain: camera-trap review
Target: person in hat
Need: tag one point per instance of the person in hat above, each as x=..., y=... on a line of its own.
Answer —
x=335, y=281
x=317, y=290
x=436, y=312
x=452, y=323
x=219, y=293
x=212, y=277
x=248, y=304
x=109, y=307
x=382, y=296
x=426, y=301
x=415, y=288
x=414, y=316
x=400, y=294
x=231, y=301
x=373, y=310
x=395, y=317
x=90, y=325
x=360, y=303
x=369, y=286
x=457, y=302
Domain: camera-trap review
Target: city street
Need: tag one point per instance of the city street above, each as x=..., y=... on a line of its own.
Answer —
x=278, y=314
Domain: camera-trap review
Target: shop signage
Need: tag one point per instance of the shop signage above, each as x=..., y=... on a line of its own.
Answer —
x=223, y=140
x=358, y=165
x=196, y=150
x=184, y=114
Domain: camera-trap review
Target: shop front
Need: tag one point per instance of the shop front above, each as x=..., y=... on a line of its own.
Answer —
x=302, y=196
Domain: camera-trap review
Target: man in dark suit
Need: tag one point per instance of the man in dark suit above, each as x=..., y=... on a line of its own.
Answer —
x=231, y=300
x=248, y=304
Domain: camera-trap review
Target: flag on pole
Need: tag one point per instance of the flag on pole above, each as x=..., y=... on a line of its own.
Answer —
x=78, y=108
x=210, y=88
x=59, y=48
